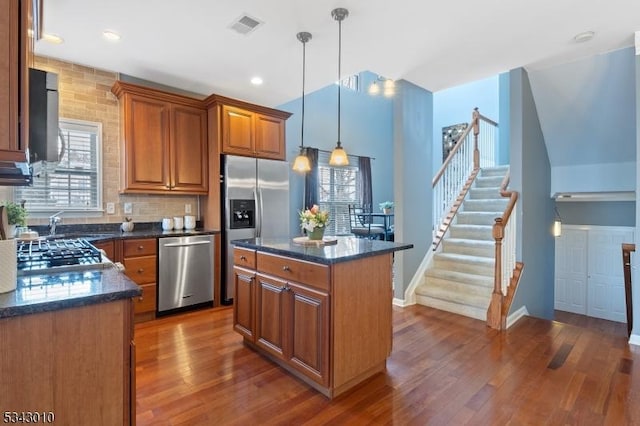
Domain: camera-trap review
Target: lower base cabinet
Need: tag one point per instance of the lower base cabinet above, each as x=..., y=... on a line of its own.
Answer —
x=329, y=325
x=74, y=366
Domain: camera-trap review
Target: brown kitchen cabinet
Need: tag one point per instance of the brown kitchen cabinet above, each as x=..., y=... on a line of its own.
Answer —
x=247, y=129
x=283, y=311
x=164, y=137
x=16, y=55
x=76, y=363
x=139, y=257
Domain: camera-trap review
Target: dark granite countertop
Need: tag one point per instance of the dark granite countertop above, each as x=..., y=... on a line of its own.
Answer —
x=111, y=231
x=347, y=248
x=51, y=292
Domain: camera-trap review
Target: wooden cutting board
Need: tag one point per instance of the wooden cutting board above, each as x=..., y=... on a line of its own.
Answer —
x=4, y=223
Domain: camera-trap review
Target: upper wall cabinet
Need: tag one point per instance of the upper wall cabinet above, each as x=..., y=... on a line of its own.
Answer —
x=164, y=141
x=247, y=129
x=16, y=55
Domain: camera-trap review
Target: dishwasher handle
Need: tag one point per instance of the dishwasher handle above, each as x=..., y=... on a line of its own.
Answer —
x=195, y=243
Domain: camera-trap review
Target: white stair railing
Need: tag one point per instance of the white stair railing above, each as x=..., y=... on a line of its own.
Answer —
x=508, y=255
x=457, y=172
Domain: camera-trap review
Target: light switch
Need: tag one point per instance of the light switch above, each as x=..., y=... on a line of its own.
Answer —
x=111, y=208
x=187, y=208
x=128, y=208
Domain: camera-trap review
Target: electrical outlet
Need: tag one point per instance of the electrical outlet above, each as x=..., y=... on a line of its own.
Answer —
x=111, y=208
x=128, y=208
x=187, y=208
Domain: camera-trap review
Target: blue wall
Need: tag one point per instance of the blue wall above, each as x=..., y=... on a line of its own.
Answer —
x=413, y=124
x=610, y=213
x=454, y=106
x=531, y=177
x=366, y=129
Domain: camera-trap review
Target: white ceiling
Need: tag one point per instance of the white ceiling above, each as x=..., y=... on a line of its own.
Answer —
x=435, y=44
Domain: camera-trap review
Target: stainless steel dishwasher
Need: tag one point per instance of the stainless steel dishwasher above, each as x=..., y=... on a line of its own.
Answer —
x=185, y=272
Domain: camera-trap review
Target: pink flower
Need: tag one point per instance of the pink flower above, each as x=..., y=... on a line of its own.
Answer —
x=315, y=209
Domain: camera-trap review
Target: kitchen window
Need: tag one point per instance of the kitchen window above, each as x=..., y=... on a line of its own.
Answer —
x=74, y=184
x=337, y=188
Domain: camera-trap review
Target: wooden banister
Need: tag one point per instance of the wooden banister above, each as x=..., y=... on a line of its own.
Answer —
x=501, y=300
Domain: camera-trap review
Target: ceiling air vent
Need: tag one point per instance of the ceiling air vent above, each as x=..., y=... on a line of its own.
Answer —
x=245, y=24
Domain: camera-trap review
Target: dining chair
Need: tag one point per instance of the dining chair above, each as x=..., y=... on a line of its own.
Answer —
x=362, y=225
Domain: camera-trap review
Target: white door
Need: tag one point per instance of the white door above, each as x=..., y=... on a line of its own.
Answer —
x=606, y=298
x=571, y=271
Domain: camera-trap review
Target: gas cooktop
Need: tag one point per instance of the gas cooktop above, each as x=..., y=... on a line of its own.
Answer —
x=57, y=255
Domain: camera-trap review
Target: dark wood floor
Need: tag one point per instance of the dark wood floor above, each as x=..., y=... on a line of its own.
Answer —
x=444, y=370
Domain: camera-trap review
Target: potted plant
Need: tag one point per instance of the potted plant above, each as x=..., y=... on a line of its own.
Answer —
x=386, y=207
x=16, y=215
x=314, y=222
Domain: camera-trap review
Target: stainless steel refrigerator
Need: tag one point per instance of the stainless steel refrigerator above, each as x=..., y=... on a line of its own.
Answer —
x=255, y=195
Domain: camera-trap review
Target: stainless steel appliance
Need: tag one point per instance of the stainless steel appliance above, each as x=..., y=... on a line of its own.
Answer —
x=58, y=255
x=185, y=272
x=256, y=204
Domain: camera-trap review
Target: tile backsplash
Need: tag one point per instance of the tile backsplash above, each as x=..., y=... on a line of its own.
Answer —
x=85, y=94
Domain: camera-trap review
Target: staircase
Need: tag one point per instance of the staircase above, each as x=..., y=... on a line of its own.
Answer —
x=460, y=278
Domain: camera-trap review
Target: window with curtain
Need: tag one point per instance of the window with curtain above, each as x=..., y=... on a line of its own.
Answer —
x=337, y=188
x=74, y=184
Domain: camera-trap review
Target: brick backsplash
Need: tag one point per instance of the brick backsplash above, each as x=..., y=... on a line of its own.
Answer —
x=85, y=94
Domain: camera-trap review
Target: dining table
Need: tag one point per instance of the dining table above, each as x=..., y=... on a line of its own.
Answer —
x=384, y=219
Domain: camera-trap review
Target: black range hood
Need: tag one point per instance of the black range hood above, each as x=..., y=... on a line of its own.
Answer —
x=43, y=131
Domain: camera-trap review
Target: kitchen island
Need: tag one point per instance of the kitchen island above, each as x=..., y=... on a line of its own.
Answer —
x=321, y=312
x=66, y=348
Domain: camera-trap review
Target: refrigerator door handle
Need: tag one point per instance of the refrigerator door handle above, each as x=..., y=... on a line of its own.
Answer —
x=257, y=199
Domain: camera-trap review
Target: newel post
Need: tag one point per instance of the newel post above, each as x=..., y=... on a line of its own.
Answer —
x=494, y=314
x=475, y=119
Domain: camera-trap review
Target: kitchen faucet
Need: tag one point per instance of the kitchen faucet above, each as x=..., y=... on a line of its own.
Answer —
x=53, y=222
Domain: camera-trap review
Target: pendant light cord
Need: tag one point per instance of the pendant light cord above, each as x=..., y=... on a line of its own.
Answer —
x=339, y=74
x=304, y=48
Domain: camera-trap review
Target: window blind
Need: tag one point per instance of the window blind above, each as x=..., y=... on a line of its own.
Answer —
x=337, y=189
x=75, y=182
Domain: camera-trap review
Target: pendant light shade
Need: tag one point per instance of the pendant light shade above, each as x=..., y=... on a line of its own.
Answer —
x=339, y=155
x=301, y=163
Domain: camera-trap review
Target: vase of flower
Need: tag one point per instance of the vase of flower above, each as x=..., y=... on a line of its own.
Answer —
x=314, y=222
x=316, y=234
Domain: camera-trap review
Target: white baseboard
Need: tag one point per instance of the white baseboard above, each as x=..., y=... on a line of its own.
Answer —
x=402, y=302
x=418, y=278
x=634, y=339
x=514, y=317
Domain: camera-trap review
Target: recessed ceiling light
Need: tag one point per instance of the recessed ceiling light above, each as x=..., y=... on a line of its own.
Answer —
x=111, y=35
x=256, y=81
x=52, y=38
x=583, y=36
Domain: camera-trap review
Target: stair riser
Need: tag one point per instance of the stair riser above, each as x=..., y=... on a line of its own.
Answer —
x=451, y=296
x=456, y=308
x=477, y=218
x=468, y=249
x=471, y=233
x=485, y=182
x=492, y=193
x=485, y=205
x=446, y=275
x=455, y=287
x=494, y=171
x=466, y=267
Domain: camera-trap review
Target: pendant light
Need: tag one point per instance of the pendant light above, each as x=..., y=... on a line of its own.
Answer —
x=339, y=155
x=301, y=163
x=557, y=224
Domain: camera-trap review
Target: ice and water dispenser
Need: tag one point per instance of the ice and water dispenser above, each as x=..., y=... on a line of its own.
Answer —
x=242, y=214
